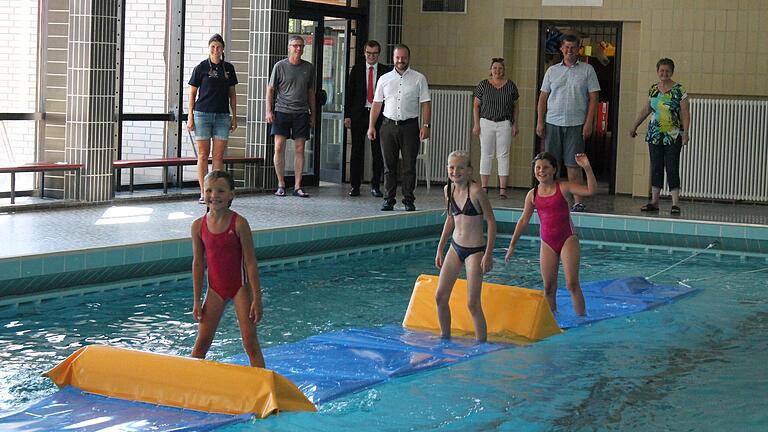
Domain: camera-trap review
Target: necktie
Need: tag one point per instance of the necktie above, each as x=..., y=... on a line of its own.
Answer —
x=370, y=84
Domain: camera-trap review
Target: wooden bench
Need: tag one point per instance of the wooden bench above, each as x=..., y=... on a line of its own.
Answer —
x=177, y=162
x=41, y=167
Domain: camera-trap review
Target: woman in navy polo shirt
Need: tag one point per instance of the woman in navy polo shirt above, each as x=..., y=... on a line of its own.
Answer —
x=213, y=103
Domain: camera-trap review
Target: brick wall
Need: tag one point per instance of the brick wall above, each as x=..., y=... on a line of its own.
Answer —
x=18, y=28
x=145, y=76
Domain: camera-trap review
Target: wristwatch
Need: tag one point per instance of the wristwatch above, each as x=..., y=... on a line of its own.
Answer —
x=426, y=125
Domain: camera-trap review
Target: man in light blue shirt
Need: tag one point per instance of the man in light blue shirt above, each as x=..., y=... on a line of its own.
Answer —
x=566, y=109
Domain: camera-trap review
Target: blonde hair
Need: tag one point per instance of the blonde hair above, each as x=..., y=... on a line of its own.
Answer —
x=460, y=154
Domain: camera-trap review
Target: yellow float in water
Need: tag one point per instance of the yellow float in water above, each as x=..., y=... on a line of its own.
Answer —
x=509, y=310
x=181, y=382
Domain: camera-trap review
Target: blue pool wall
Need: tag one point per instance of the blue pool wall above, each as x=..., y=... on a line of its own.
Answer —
x=47, y=273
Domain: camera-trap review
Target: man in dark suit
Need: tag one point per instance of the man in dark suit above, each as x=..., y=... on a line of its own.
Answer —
x=358, y=98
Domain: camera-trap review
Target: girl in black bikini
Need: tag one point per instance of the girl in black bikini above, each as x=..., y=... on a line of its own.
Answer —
x=464, y=227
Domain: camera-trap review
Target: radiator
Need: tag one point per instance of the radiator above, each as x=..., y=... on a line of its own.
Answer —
x=451, y=130
x=727, y=156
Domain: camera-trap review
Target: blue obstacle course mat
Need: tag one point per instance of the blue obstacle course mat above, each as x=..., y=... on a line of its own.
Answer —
x=616, y=297
x=327, y=366
x=72, y=409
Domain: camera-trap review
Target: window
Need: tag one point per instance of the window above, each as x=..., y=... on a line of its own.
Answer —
x=450, y=6
x=18, y=89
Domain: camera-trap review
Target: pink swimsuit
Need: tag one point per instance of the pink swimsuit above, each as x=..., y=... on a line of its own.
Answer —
x=224, y=255
x=554, y=218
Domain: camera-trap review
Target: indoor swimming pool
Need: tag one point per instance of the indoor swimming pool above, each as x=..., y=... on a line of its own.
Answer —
x=695, y=364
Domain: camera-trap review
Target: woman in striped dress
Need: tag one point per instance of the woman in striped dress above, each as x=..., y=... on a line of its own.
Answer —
x=494, y=120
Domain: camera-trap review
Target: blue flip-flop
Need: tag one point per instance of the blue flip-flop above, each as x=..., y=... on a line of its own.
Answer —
x=300, y=193
x=280, y=191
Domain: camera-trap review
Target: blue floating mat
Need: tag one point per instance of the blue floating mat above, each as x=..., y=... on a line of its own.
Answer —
x=330, y=365
x=616, y=297
x=72, y=409
x=327, y=366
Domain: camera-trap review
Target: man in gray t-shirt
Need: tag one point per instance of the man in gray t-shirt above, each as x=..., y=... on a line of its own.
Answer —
x=291, y=90
x=566, y=110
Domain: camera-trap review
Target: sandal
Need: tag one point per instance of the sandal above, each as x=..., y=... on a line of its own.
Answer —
x=280, y=191
x=300, y=193
x=649, y=208
x=201, y=200
x=675, y=210
x=503, y=193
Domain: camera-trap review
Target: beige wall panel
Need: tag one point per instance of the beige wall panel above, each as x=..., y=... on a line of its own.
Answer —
x=720, y=48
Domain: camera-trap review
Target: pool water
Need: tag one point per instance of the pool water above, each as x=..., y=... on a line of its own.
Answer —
x=696, y=364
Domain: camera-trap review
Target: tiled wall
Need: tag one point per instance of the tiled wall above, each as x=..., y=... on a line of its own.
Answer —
x=718, y=48
x=27, y=276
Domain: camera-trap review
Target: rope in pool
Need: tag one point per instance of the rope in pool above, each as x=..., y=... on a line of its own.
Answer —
x=693, y=255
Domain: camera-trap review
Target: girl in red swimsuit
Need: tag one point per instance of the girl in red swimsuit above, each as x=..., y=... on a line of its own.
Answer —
x=222, y=240
x=469, y=247
x=558, y=238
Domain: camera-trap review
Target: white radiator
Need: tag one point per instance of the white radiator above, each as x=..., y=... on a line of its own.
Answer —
x=451, y=130
x=727, y=156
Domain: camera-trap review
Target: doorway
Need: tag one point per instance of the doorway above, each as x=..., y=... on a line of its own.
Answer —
x=601, y=48
x=326, y=30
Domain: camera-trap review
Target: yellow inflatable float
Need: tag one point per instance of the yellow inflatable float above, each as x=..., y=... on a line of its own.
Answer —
x=509, y=311
x=181, y=382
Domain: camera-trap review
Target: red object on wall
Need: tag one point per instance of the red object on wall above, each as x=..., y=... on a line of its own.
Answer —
x=601, y=122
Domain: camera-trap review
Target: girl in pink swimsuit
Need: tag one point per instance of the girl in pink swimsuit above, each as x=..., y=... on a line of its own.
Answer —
x=222, y=240
x=558, y=238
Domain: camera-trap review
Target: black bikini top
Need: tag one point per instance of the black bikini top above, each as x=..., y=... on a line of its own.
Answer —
x=468, y=210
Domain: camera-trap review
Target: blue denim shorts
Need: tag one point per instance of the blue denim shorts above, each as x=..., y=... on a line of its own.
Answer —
x=212, y=125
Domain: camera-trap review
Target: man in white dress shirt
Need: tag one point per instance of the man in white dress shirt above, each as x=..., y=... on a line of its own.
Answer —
x=404, y=93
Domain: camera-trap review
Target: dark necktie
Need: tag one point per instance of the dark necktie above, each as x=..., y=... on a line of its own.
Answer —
x=370, y=84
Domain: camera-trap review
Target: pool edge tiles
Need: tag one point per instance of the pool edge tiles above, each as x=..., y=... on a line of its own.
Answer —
x=25, y=276
x=747, y=238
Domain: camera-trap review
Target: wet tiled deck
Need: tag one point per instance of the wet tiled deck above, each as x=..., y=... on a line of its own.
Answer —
x=135, y=221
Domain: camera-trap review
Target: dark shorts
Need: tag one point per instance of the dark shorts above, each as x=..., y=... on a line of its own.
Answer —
x=565, y=142
x=291, y=125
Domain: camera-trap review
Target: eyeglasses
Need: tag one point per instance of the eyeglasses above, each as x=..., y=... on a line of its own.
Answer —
x=297, y=46
x=497, y=60
x=372, y=53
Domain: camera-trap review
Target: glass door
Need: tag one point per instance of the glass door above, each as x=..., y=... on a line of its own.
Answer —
x=327, y=47
x=332, y=132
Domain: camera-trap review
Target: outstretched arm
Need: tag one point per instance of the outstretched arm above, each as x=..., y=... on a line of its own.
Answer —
x=685, y=113
x=490, y=218
x=578, y=188
x=198, y=270
x=374, y=116
x=251, y=268
x=522, y=224
x=446, y=234
x=644, y=112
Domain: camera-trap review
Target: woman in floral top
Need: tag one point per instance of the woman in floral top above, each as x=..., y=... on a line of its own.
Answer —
x=667, y=133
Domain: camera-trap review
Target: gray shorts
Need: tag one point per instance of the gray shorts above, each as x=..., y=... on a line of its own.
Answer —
x=565, y=142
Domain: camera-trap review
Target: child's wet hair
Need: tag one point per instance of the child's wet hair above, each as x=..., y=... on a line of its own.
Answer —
x=547, y=156
x=456, y=154
x=217, y=174
x=460, y=154
x=221, y=174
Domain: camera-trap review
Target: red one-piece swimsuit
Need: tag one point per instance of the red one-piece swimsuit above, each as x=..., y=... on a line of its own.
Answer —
x=554, y=218
x=224, y=255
